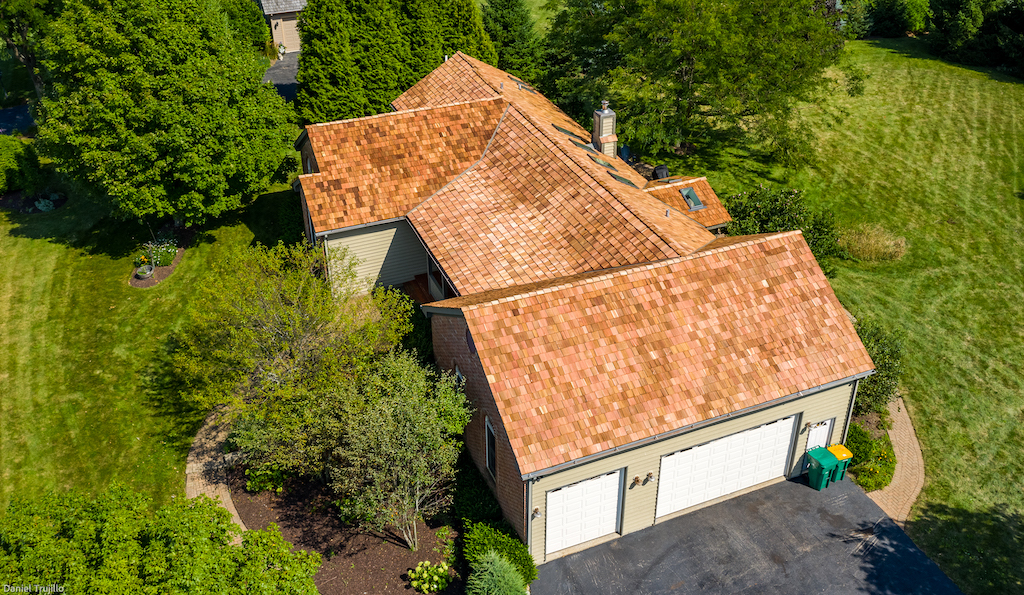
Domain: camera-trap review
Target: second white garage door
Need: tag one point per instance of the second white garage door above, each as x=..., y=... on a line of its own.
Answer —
x=583, y=511
x=723, y=466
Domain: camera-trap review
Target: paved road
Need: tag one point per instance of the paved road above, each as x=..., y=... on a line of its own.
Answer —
x=282, y=75
x=786, y=538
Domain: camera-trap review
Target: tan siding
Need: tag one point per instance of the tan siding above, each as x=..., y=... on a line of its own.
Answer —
x=450, y=348
x=284, y=29
x=390, y=253
x=638, y=506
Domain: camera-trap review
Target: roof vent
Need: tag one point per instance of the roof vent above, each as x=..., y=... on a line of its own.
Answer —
x=603, y=137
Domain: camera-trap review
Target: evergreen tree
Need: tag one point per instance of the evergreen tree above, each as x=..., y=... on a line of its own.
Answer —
x=330, y=87
x=422, y=28
x=380, y=52
x=462, y=29
x=511, y=28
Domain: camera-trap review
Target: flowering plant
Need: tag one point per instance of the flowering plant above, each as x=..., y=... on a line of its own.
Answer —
x=427, y=578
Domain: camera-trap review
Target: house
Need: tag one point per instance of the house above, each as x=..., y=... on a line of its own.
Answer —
x=626, y=364
x=283, y=18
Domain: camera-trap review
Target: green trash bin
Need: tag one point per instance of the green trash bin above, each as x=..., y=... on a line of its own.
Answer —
x=823, y=465
x=844, y=456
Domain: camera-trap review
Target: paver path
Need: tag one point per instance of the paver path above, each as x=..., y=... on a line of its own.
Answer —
x=897, y=498
x=204, y=471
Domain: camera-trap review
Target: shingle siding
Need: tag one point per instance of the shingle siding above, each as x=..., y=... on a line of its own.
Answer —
x=451, y=349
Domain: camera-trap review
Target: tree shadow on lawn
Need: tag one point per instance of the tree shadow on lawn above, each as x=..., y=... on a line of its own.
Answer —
x=917, y=48
x=980, y=550
x=164, y=394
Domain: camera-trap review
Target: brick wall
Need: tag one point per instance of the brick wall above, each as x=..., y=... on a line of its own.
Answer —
x=450, y=348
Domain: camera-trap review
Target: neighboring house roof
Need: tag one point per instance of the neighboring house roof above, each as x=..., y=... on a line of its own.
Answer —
x=712, y=215
x=528, y=204
x=281, y=6
x=584, y=364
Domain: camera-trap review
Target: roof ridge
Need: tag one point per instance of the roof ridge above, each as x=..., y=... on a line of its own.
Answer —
x=648, y=188
x=483, y=154
x=404, y=111
x=622, y=270
x=465, y=58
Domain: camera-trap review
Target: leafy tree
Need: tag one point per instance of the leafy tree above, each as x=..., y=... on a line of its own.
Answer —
x=267, y=328
x=462, y=30
x=247, y=23
x=156, y=107
x=674, y=67
x=885, y=346
x=115, y=544
x=510, y=26
x=399, y=450
x=23, y=24
x=19, y=165
x=770, y=210
x=380, y=52
x=329, y=86
x=893, y=18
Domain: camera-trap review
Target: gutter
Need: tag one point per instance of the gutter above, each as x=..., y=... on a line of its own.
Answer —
x=693, y=426
x=321, y=234
x=429, y=310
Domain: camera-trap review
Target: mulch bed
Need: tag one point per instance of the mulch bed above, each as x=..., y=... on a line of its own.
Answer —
x=19, y=202
x=354, y=561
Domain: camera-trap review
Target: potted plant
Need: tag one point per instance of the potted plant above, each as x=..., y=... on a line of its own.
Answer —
x=144, y=272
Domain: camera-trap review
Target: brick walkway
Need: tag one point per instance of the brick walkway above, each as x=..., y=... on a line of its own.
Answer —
x=204, y=472
x=897, y=498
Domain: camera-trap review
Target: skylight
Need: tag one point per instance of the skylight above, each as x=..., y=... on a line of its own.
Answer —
x=600, y=161
x=691, y=198
x=621, y=179
x=583, y=146
x=567, y=131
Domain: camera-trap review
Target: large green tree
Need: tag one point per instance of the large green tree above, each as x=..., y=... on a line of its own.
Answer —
x=157, y=107
x=115, y=544
x=247, y=23
x=329, y=86
x=462, y=30
x=674, y=67
x=380, y=52
x=421, y=25
x=23, y=24
x=510, y=26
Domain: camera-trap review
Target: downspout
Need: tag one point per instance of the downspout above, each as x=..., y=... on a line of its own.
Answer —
x=849, y=414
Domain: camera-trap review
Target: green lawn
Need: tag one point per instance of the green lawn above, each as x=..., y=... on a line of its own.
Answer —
x=934, y=152
x=83, y=396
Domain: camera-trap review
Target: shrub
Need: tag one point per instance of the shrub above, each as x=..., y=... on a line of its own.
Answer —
x=427, y=578
x=19, y=165
x=872, y=242
x=876, y=470
x=247, y=24
x=264, y=480
x=483, y=537
x=494, y=575
x=472, y=499
x=885, y=346
x=859, y=442
x=770, y=210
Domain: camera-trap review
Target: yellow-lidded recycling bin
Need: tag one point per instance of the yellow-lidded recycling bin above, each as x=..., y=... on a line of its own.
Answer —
x=823, y=464
x=844, y=456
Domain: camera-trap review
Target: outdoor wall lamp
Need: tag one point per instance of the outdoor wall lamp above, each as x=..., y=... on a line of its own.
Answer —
x=536, y=512
x=636, y=479
x=650, y=476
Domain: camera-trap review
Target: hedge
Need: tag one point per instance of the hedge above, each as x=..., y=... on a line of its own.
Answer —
x=481, y=538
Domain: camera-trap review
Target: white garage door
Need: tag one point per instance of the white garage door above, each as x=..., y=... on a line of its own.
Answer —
x=724, y=466
x=583, y=511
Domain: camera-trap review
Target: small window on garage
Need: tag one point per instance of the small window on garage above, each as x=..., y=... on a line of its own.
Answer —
x=469, y=342
x=458, y=374
x=492, y=458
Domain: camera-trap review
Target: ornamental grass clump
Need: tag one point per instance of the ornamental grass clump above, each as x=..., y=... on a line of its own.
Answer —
x=494, y=575
x=871, y=242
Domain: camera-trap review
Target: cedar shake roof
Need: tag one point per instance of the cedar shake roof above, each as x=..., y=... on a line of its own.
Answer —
x=502, y=199
x=581, y=365
x=379, y=167
x=713, y=212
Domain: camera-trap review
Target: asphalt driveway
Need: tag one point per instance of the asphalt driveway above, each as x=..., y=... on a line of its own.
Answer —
x=786, y=538
x=282, y=75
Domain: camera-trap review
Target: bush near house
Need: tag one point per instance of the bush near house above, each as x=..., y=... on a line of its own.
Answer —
x=885, y=346
x=481, y=538
x=874, y=461
x=871, y=242
x=494, y=575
